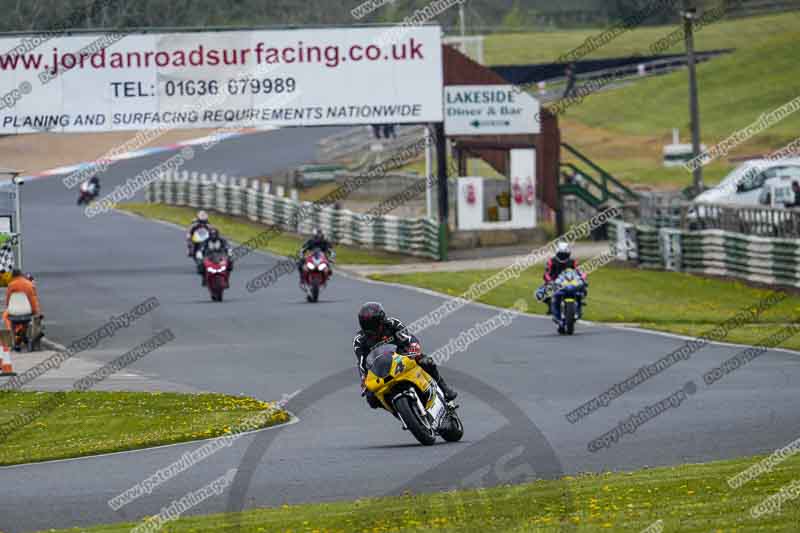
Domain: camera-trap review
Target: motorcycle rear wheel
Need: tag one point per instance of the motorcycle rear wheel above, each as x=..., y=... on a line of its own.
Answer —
x=410, y=417
x=455, y=430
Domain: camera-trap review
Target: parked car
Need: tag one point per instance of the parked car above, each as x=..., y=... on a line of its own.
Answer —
x=755, y=183
x=748, y=184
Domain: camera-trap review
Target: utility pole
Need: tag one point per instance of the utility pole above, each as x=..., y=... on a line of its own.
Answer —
x=18, y=215
x=441, y=168
x=688, y=14
x=17, y=226
x=462, y=20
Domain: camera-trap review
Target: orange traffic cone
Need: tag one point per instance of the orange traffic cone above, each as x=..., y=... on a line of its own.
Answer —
x=6, y=366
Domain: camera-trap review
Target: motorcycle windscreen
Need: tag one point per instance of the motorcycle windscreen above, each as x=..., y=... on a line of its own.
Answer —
x=379, y=360
x=200, y=235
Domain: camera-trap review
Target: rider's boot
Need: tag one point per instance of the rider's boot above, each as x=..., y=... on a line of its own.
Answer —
x=428, y=366
x=449, y=394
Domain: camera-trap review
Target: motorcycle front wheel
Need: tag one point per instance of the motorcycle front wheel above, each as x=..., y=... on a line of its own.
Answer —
x=569, y=317
x=405, y=408
x=315, y=292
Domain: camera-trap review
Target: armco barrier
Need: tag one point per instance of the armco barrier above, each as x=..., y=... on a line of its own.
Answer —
x=251, y=198
x=771, y=260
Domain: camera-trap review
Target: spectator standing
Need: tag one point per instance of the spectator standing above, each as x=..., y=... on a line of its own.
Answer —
x=569, y=73
x=388, y=131
x=796, y=190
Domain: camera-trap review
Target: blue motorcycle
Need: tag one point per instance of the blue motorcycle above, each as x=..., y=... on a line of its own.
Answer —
x=566, y=304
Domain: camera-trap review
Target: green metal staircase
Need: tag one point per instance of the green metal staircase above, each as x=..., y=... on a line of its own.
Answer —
x=596, y=186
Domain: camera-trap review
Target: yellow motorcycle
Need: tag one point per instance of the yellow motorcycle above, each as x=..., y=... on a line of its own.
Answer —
x=412, y=395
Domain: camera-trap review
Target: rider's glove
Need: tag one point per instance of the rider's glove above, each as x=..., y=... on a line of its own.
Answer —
x=363, y=386
x=425, y=361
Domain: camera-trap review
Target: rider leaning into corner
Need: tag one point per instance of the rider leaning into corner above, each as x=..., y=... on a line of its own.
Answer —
x=317, y=241
x=200, y=222
x=377, y=328
x=94, y=183
x=555, y=266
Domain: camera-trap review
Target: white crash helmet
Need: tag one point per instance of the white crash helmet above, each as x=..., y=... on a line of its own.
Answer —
x=202, y=216
x=563, y=251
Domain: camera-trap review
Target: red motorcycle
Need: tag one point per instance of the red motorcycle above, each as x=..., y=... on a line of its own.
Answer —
x=217, y=273
x=316, y=273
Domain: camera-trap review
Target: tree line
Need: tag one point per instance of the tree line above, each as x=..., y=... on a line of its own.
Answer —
x=482, y=15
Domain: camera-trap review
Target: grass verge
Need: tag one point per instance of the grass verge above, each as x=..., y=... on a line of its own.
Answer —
x=624, y=130
x=688, y=498
x=545, y=47
x=241, y=231
x=728, y=100
x=666, y=301
x=76, y=424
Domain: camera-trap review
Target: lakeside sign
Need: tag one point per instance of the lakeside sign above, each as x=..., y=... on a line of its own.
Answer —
x=300, y=77
x=489, y=110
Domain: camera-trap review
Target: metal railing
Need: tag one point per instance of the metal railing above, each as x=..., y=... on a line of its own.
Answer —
x=670, y=210
x=762, y=221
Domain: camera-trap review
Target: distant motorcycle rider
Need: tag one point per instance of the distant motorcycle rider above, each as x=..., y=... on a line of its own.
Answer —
x=200, y=222
x=555, y=266
x=89, y=190
x=216, y=244
x=94, y=185
x=317, y=241
x=377, y=328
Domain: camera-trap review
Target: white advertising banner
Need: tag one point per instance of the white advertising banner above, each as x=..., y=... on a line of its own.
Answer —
x=314, y=77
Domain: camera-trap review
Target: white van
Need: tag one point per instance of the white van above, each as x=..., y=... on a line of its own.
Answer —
x=750, y=183
x=754, y=183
